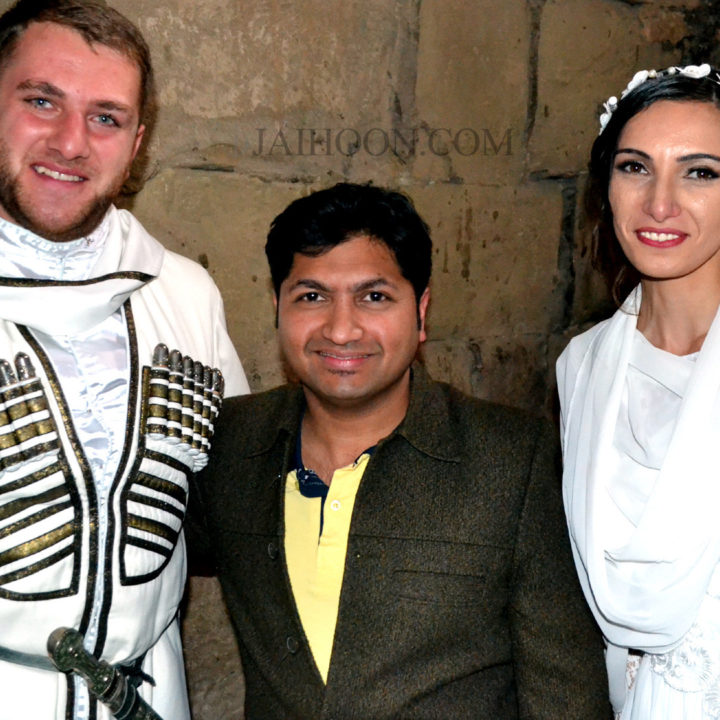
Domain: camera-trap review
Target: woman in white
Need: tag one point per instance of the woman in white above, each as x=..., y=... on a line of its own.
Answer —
x=640, y=400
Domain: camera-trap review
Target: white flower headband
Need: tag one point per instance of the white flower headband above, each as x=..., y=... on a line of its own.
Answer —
x=693, y=71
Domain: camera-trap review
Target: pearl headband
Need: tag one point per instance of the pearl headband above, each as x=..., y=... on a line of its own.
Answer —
x=692, y=71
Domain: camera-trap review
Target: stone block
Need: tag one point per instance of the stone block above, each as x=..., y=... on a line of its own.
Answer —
x=588, y=51
x=226, y=69
x=214, y=670
x=495, y=258
x=221, y=220
x=453, y=361
x=512, y=370
x=472, y=90
x=665, y=25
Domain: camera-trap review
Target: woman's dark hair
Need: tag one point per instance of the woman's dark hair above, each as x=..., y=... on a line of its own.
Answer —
x=607, y=255
x=317, y=223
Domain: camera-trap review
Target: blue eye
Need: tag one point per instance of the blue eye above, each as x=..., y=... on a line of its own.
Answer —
x=39, y=103
x=107, y=120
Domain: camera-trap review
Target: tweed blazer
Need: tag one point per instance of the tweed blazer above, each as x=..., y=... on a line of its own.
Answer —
x=459, y=596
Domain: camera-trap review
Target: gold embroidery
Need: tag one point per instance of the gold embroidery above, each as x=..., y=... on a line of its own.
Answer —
x=162, y=486
x=153, y=527
x=37, y=545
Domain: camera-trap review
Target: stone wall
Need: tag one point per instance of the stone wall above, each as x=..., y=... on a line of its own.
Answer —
x=483, y=111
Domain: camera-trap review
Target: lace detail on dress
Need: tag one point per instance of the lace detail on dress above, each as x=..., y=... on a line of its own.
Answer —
x=631, y=670
x=694, y=665
x=691, y=666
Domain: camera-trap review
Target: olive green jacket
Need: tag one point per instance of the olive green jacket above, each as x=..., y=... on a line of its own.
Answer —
x=459, y=597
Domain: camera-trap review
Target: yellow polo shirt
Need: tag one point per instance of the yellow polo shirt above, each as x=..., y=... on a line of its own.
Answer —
x=316, y=563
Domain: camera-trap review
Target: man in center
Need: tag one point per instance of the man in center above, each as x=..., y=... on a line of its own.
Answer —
x=388, y=547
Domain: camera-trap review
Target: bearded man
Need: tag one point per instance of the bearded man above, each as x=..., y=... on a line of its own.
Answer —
x=112, y=354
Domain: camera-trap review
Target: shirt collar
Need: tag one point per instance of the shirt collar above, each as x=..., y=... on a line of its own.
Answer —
x=427, y=424
x=125, y=260
x=24, y=254
x=309, y=483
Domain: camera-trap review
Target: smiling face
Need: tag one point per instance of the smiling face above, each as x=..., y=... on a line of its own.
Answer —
x=348, y=326
x=69, y=130
x=665, y=191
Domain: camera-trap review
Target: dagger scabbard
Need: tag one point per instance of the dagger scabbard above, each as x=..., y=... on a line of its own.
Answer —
x=105, y=682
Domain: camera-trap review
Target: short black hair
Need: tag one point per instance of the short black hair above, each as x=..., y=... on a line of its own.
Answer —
x=96, y=22
x=317, y=223
x=607, y=255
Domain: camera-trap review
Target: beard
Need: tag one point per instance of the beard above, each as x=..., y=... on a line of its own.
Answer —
x=22, y=212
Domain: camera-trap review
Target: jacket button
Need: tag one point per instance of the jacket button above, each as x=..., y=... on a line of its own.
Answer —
x=292, y=645
x=272, y=551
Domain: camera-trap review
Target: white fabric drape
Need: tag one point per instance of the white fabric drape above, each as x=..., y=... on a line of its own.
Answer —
x=646, y=592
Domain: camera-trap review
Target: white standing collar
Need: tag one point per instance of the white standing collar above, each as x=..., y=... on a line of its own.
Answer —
x=67, y=288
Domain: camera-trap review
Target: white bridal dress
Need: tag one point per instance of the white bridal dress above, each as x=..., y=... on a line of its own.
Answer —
x=641, y=447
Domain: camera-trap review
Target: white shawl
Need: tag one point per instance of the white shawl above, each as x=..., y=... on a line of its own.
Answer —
x=646, y=594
